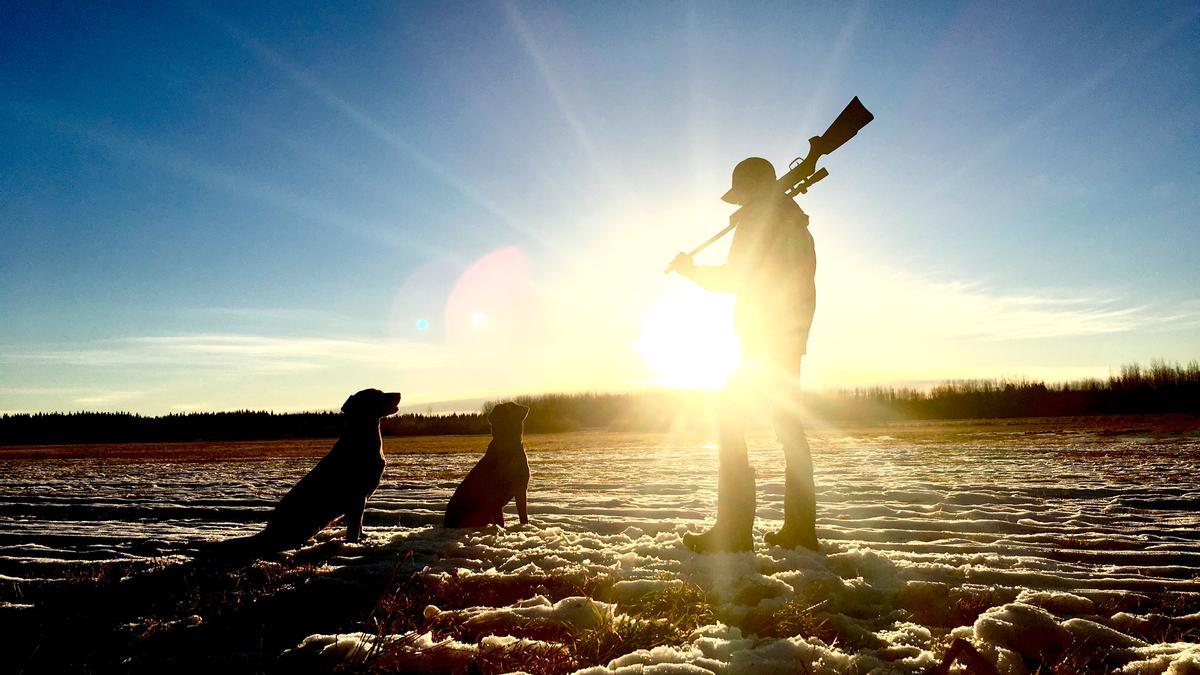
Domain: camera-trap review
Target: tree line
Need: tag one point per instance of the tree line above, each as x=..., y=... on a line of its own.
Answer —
x=1161, y=387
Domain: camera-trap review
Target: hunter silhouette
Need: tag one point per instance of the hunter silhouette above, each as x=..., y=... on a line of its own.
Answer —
x=771, y=268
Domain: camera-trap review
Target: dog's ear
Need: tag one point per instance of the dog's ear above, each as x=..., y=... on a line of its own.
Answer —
x=359, y=398
x=508, y=411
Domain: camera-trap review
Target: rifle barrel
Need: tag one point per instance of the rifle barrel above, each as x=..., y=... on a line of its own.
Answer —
x=712, y=239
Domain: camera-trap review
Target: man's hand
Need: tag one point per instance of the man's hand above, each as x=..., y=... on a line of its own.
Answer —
x=683, y=264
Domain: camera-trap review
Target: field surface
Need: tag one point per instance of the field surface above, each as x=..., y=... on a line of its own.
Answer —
x=1051, y=545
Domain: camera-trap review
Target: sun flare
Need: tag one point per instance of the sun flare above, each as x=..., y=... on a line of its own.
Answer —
x=688, y=341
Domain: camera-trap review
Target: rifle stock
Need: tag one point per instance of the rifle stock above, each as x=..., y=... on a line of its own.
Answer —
x=853, y=117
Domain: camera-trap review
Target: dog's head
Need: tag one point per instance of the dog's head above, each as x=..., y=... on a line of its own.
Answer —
x=508, y=419
x=371, y=403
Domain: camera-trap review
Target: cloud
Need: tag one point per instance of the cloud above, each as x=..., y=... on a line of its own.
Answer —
x=867, y=300
x=294, y=314
x=1186, y=314
x=191, y=407
x=109, y=398
x=237, y=352
x=879, y=324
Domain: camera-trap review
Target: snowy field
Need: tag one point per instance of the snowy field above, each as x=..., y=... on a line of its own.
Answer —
x=1040, y=542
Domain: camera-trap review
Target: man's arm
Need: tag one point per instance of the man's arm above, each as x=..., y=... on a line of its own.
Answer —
x=717, y=278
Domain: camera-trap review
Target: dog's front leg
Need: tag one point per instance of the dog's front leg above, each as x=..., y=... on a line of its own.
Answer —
x=354, y=518
x=522, y=507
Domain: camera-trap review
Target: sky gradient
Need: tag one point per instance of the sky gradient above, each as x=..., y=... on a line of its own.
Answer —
x=231, y=205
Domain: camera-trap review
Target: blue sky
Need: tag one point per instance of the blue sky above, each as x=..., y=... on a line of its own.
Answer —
x=206, y=206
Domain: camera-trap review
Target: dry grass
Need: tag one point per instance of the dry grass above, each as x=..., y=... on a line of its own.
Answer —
x=1161, y=624
x=966, y=604
x=1080, y=658
x=665, y=616
x=192, y=617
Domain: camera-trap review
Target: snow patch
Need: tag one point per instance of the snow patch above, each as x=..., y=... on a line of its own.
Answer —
x=579, y=612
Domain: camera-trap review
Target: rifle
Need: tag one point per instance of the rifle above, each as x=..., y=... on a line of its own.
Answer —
x=803, y=173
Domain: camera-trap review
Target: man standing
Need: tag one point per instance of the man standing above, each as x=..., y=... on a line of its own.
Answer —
x=771, y=268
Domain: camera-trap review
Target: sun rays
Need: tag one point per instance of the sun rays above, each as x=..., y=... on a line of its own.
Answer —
x=299, y=77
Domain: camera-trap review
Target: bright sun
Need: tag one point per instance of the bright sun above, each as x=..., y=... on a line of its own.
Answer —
x=688, y=341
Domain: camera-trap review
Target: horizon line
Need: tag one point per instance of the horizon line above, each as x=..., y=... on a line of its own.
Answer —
x=475, y=404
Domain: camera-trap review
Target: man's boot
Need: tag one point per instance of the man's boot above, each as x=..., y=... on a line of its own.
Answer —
x=734, y=529
x=799, y=516
x=799, y=492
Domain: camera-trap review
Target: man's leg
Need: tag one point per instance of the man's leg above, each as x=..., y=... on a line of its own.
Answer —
x=734, y=529
x=799, y=496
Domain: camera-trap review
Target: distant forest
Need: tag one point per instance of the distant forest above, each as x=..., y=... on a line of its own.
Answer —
x=1160, y=388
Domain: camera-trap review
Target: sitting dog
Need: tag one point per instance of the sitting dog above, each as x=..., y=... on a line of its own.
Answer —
x=338, y=486
x=502, y=474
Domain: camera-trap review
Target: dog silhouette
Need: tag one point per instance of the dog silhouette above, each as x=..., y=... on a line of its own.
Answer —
x=502, y=475
x=337, y=487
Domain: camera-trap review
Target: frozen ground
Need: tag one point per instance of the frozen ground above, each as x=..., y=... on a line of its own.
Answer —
x=1037, y=541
